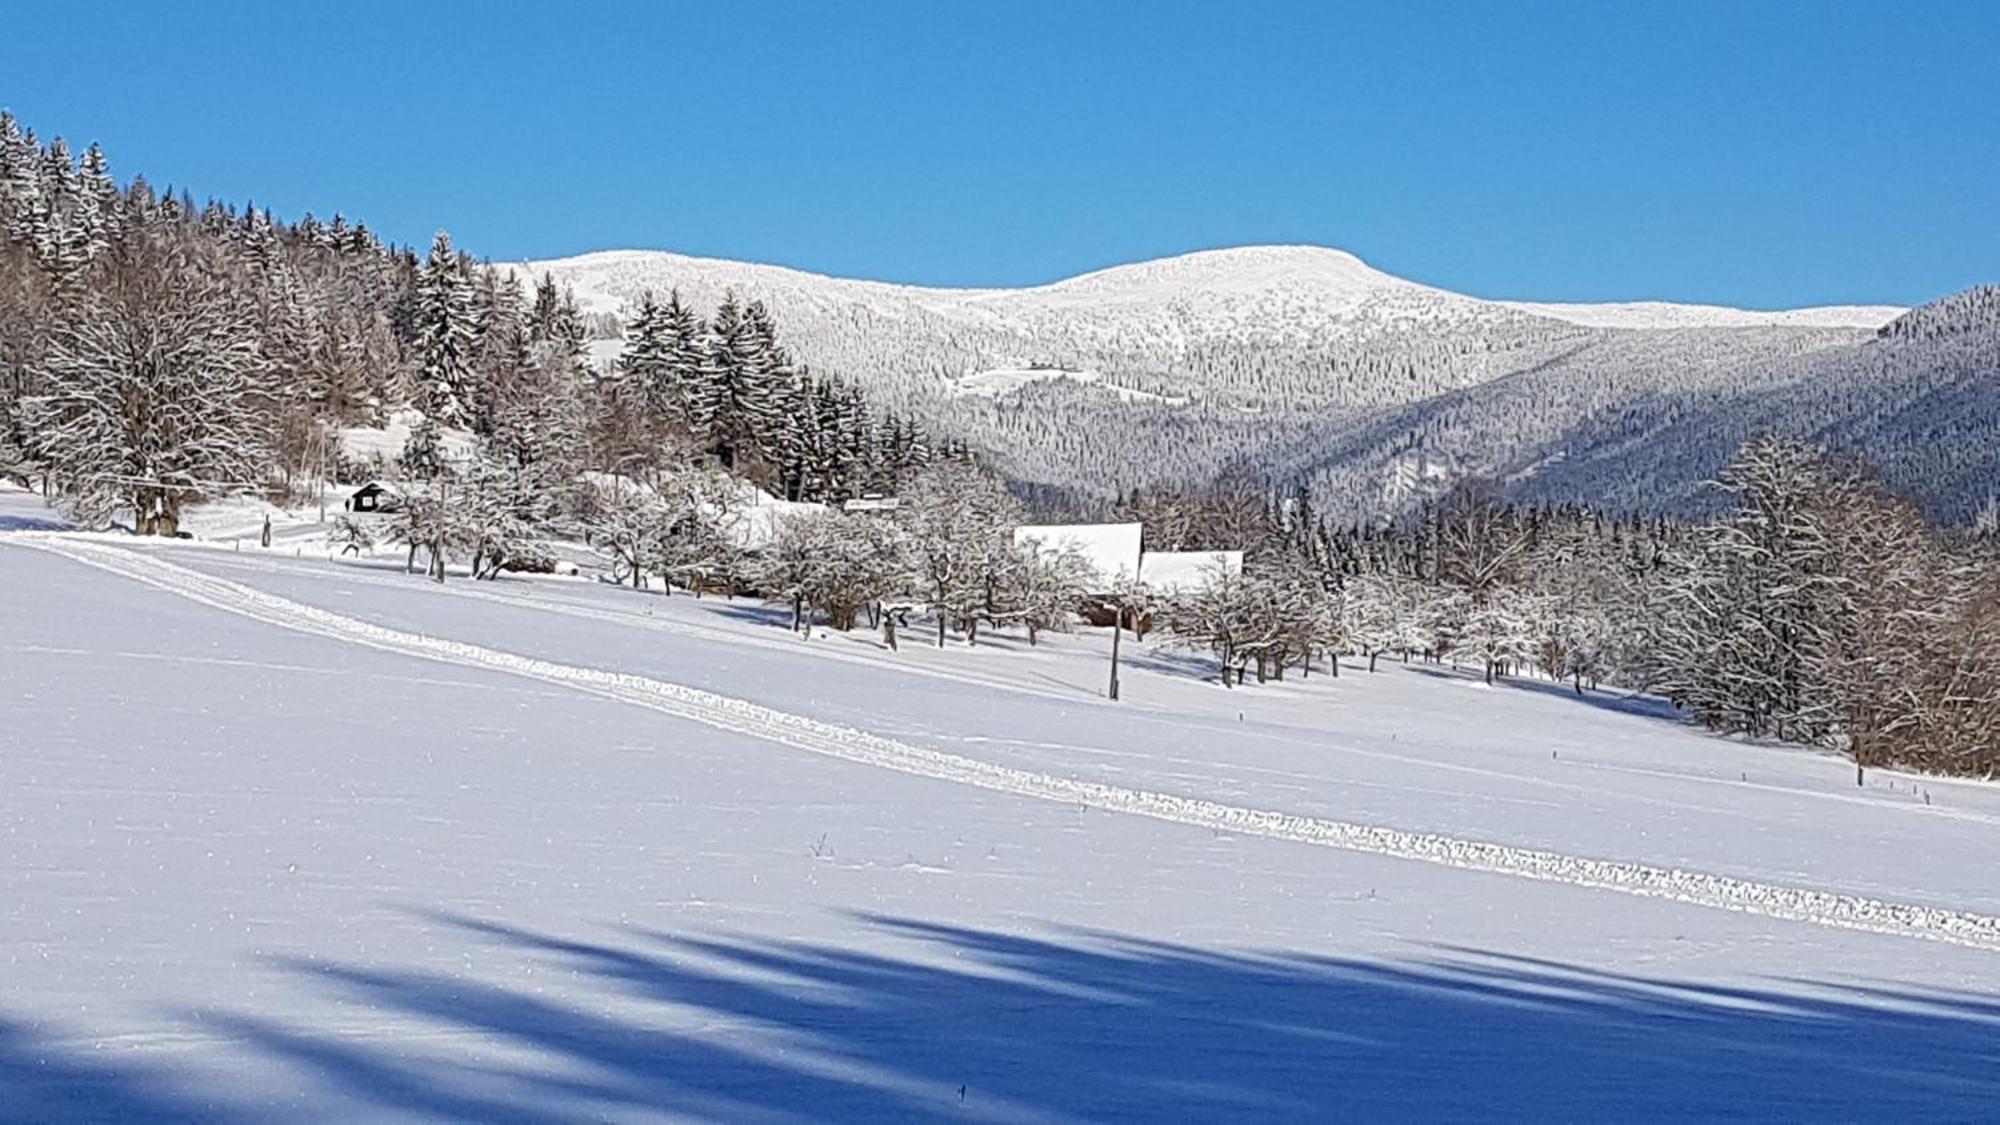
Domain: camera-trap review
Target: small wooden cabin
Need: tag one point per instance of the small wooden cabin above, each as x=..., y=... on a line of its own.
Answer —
x=375, y=496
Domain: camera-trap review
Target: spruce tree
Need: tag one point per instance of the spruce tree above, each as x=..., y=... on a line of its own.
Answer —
x=444, y=326
x=726, y=403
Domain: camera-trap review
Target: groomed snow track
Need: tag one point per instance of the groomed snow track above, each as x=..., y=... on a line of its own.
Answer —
x=1722, y=892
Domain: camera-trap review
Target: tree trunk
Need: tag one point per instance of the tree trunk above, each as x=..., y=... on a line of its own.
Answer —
x=889, y=630
x=1371, y=661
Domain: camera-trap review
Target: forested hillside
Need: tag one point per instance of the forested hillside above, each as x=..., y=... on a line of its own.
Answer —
x=1301, y=363
x=155, y=353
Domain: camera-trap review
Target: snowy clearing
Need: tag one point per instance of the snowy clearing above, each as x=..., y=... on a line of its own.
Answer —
x=799, y=732
x=286, y=837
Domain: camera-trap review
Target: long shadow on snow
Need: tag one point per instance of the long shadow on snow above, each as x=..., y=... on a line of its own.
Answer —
x=32, y=523
x=1639, y=706
x=42, y=1079
x=1102, y=1025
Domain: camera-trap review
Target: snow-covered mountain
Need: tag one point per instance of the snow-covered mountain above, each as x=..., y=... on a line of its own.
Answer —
x=1263, y=281
x=1306, y=361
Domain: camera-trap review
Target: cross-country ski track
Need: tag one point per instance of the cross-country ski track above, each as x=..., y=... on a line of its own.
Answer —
x=1801, y=904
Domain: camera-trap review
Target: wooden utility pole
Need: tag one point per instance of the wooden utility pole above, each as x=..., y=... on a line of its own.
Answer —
x=322, y=474
x=1117, y=627
x=437, y=543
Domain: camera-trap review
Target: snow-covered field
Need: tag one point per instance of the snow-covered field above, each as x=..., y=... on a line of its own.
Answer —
x=282, y=837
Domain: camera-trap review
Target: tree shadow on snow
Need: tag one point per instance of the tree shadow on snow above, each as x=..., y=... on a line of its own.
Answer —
x=32, y=523
x=753, y=612
x=1081, y=1023
x=1638, y=706
x=44, y=1078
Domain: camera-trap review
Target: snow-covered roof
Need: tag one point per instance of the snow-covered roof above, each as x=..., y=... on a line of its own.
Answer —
x=1111, y=548
x=1180, y=570
x=755, y=514
x=751, y=517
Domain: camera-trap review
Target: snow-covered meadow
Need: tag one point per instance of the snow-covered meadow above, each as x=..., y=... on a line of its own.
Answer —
x=285, y=837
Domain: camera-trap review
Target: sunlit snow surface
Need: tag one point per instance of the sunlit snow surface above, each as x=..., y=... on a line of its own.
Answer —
x=253, y=871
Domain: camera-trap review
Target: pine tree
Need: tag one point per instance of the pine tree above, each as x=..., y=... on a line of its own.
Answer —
x=773, y=400
x=686, y=354
x=725, y=403
x=444, y=326
x=103, y=209
x=647, y=364
x=548, y=305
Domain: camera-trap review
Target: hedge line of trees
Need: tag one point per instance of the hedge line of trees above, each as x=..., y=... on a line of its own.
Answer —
x=1816, y=607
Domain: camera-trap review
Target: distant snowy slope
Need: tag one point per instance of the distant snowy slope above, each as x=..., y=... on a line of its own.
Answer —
x=1664, y=314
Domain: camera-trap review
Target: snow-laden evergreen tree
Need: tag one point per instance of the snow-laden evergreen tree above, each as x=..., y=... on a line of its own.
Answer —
x=664, y=355
x=500, y=343
x=547, y=307
x=30, y=216
x=734, y=403
x=106, y=219
x=424, y=456
x=628, y=426
x=444, y=331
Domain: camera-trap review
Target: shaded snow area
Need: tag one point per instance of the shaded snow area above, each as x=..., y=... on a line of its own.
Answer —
x=287, y=838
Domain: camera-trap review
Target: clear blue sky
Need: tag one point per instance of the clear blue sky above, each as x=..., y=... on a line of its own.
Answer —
x=1753, y=153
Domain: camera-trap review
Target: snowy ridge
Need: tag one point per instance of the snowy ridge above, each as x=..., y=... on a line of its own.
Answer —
x=848, y=744
x=1667, y=314
x=608, y=281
